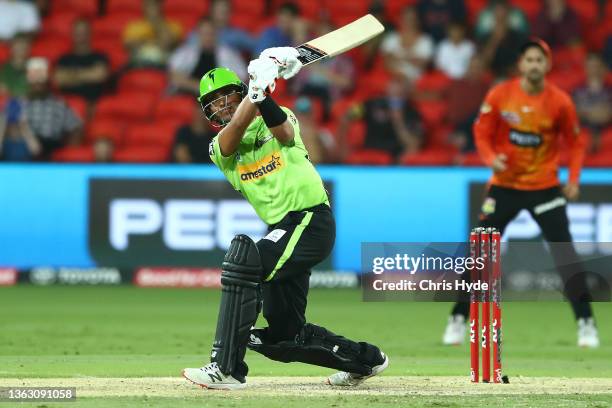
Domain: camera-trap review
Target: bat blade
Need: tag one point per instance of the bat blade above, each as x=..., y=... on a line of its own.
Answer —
x=338, y=41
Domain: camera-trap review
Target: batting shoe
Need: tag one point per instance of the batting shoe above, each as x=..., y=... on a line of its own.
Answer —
x=587, y=333
x=211, y=377
x=454, y=334
x=344, y=379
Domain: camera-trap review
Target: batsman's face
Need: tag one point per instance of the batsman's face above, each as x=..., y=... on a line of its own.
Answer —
x=533, y=64
x=222, y=107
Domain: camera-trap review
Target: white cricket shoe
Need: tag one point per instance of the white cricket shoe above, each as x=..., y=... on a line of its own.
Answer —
x=454, y=334
x=587, y=333
x=344, y=379
x=211, y=377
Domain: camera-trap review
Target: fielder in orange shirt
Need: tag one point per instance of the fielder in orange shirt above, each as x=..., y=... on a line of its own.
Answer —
x=522, y=125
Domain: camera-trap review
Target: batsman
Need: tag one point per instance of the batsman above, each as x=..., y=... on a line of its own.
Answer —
x=261, y=153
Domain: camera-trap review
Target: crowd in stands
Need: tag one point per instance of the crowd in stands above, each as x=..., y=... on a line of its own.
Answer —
x=116, y=80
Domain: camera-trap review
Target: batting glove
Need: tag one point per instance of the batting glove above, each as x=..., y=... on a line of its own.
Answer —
x=263, y=73
x=286, y=58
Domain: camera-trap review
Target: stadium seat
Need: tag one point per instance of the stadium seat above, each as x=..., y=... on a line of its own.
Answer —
x=433, y=112
x=369, y=157
x=187, y=20
x=309, y=9
x=435, y=156
x=141, y=154
x=175, y=107
x=74, y=154
x=248, y=23
x=586, y=9
x=151, y=81
x=111, y=27
x=107, y=129
x=195, y=8
x=151, y=134
x=433, y=81
x=472, y=159
x=78, y=105
x=569, y=58
x=59, y=23
x=343, y=12
x=474, y=7
x=568, y=80
x=50, y=48
x=5, y=52
x=126, y=6
x=252, y=8
x=603, y=158
x=84, y=8
x=393, y=8
x=128, y=107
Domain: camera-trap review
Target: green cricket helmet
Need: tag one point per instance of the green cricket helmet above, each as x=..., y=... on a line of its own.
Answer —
x=216, y=84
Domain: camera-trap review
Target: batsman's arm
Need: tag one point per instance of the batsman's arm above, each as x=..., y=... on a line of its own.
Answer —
x=230, y=136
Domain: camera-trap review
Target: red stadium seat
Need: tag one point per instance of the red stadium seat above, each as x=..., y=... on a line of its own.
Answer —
x=111, y=26
x=434, y=112
x=252, y=8
x=5, y=52
x=569, y=58
x=343, y=12
x=434, y=81
x=197, y=8
x=474, y=7
x=128, y=107
x=50, y=48
x=151, y=81
x=369, y=157
x=74, y=154
x=429, y=157
x=151, y=134
x=472, y=159
x=187, y=20
x=107, y=129
x=125, y=6
x=586, y=9
x=356, y=134
x=246, y=22
x=176, y=107
x=568, y=80
x=141, y=154
x=84, y=8
x=603, y=158
x=59, y=23
x=78, y=105
x=393, y=8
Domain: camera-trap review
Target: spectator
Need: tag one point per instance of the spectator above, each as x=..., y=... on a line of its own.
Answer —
x=489, y=18
x=464, y=96
x=557, y=24
x=103, y=149
x=500, y=46
x=192, y=60
x=408, y=51
x=327, y=80
x=283, y=32
x=229, y=36
x=150, y=40
x=436, y=15
x=17, y=17
x=454, y=53
x=192, y=140
x=594, y=100
x=50, y=118
x=17, y=142
x=13, y=73
x=392, y=123
x=319, y=142
x=82, y=72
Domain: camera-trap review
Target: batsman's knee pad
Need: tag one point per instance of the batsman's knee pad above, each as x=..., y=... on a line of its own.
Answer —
x=240, y=299
x=317, y=345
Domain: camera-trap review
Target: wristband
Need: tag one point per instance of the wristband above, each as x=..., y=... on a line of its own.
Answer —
x=271, y=113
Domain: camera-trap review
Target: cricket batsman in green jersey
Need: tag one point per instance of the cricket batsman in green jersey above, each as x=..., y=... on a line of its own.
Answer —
x=261, y=153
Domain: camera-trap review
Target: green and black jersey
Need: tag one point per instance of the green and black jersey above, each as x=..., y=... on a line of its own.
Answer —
x=273, y=177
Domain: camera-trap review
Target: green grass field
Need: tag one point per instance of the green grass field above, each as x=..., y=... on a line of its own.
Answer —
x=125, y=346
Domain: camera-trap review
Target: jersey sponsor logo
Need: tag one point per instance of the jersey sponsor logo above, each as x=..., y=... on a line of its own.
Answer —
x=262, y=141
x=261, y=168
x=525, y=139
x=511, y=117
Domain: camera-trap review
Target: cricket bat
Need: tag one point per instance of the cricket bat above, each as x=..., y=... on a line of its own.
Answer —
x=338, y=41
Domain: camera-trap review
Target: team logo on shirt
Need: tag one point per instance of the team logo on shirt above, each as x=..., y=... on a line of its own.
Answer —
x=512, y=118
x=261, y=168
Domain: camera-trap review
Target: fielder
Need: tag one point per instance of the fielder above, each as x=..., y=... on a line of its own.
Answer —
x=518, y=133
x=261, y=153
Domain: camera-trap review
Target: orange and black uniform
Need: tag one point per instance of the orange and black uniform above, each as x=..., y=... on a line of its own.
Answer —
x=530, y=130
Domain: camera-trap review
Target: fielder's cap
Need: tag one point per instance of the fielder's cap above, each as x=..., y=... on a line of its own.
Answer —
x=541, y=44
